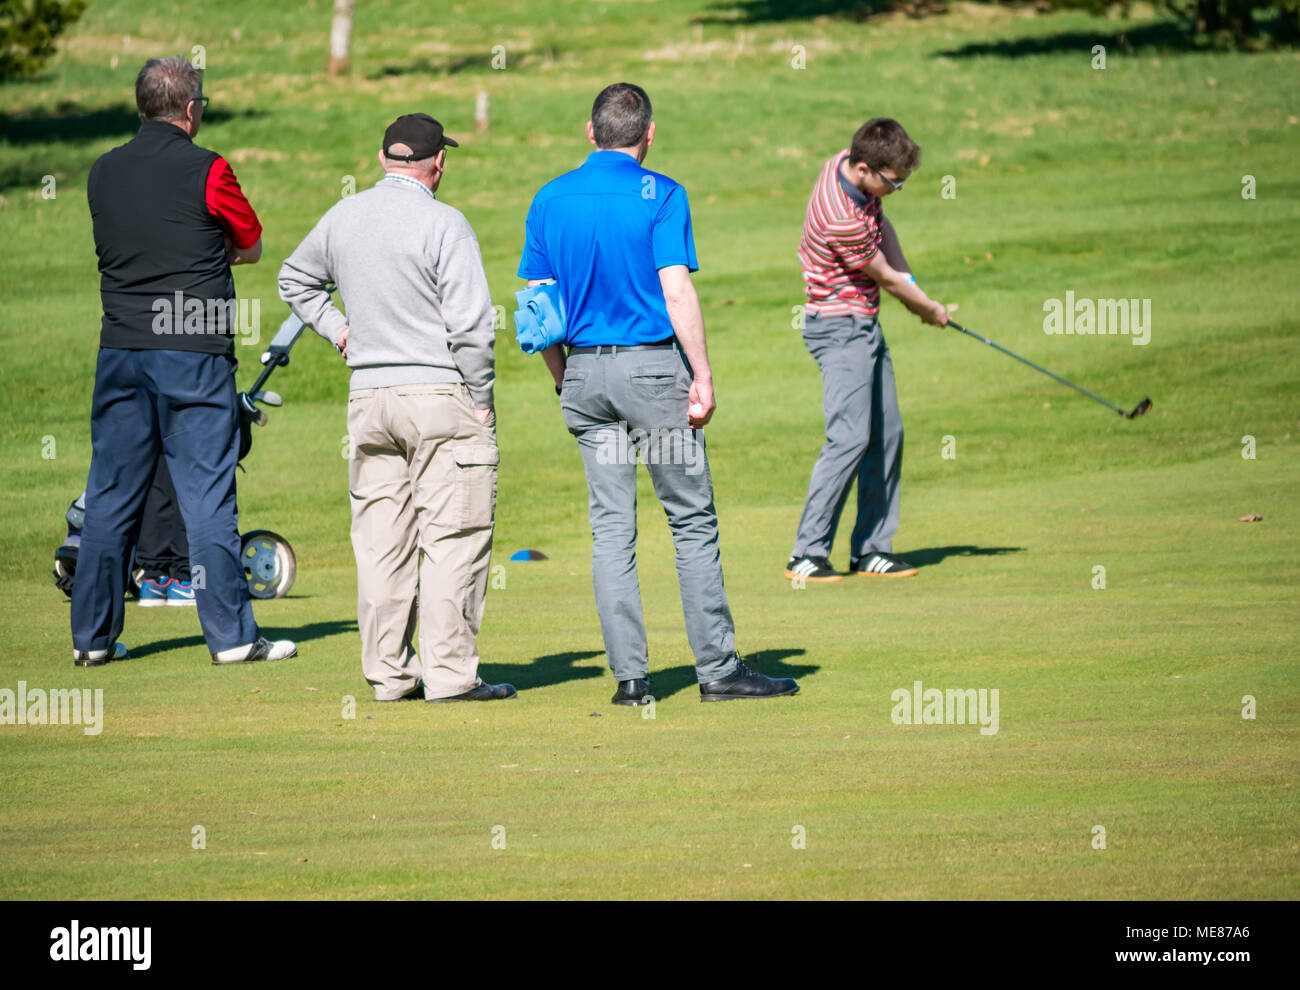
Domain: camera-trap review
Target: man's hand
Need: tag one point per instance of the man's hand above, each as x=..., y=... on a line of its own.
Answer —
x=936, y=315
x=342, y=345
x=904, y=288
x=687, y=318
x=244, y=256
x=482, y=415
x=701, y=397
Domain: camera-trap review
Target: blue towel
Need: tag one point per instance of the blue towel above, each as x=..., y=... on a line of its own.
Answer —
x=539, y=321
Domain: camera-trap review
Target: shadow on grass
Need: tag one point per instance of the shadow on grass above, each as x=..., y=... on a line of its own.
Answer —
x=433, y=67
x=300, y=635
x=935, y=555
x=775, y=11
x=28, y=136
x=666, y=683
x=72, y=122
x=1163, y=36
x=554, y=668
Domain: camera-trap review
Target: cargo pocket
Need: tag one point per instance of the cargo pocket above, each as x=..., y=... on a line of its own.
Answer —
x=476, y=483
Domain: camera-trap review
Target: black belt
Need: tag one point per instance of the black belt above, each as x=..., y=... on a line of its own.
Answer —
x=613, y=349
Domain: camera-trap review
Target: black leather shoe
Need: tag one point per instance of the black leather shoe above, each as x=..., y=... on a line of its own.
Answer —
x=633, y=692
x=484, y=692
x=746, y=683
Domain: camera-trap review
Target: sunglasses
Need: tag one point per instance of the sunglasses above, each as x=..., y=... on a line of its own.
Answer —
x=202, y=101
x=886, y=179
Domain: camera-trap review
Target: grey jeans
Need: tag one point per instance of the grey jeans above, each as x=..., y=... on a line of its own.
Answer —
x=620, y=405
x=864, y=437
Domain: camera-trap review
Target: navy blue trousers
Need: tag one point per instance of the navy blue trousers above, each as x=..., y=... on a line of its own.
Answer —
x=163, y=550
x=182, y=404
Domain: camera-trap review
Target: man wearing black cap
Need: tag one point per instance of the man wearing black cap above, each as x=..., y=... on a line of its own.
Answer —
x=418, y=336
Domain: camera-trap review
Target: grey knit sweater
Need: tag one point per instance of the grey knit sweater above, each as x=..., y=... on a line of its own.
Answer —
x=411, y=278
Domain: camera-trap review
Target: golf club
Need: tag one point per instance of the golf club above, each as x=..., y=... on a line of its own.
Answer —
x=276, y=355
x=1138, y=410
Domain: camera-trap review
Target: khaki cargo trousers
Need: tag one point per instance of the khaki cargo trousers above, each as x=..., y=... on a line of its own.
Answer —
x=423, y=484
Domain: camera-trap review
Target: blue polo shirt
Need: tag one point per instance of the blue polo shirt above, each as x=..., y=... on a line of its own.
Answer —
x=602, y=232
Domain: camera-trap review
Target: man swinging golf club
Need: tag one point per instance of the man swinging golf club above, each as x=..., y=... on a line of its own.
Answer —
x=848, y=253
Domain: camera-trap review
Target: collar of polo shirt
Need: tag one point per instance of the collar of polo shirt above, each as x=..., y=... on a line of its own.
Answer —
x=407, y=180
x=609, y=156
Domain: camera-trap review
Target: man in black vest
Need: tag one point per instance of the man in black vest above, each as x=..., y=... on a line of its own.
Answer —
x=169, y=221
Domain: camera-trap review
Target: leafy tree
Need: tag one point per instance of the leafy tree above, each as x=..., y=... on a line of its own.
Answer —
x=1233, y=19
x=28, y=29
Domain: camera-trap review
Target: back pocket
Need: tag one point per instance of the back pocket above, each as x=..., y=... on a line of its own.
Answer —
x=572, y=382
x=654, y=382
x=476, y=483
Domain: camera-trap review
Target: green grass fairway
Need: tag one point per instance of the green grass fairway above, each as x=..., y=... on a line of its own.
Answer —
x=1120, y=707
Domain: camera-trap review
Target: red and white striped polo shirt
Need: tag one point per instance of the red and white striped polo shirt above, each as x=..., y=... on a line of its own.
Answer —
x=839, y=236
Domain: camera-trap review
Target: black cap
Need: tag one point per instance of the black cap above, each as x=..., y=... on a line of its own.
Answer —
x=419, y=132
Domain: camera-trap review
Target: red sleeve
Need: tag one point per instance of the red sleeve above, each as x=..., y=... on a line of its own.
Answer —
x=226, y=202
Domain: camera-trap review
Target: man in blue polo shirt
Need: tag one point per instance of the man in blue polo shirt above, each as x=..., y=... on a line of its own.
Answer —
x=616, y=238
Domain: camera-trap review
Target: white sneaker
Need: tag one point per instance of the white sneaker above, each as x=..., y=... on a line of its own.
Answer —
x=97, y=658
x=262, y=649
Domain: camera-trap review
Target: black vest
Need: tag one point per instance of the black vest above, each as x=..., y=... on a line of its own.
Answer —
x=164, y=278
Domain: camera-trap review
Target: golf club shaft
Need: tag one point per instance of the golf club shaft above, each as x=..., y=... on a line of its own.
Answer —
x=1063, y=381
x=274, y=362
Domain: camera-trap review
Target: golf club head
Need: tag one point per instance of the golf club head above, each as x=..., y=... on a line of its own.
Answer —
x=1139, y=410
x=252, y=412
x=270, y=398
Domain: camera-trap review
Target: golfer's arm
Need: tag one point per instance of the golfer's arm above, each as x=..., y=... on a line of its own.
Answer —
x=897, y=284
x=246, y=256
x=465, y=305
x=892, y=248
x=553, y=355
x=687, y=318
x=304, y=285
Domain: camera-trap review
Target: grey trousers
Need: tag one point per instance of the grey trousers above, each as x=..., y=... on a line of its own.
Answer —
x=864, y=437
x=634, y=402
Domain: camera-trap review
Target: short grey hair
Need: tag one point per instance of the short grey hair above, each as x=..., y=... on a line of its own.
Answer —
x=620, y=116
x=164, y=87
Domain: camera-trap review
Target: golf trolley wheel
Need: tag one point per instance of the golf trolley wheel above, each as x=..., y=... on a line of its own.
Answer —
x=269, y=563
